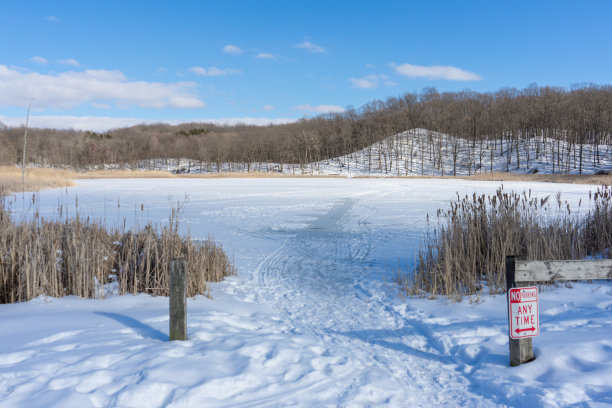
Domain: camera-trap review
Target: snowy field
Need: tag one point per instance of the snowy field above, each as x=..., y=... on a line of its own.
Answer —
x=313, y=318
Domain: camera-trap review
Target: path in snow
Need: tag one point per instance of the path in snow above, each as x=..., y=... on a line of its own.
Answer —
x=320, y=278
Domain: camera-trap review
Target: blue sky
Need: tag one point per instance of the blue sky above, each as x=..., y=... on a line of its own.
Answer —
x=102, y=64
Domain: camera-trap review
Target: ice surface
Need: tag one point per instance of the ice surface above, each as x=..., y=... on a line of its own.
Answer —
x=313, y=317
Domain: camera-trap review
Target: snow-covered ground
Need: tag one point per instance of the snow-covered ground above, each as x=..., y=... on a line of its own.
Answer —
x=312, y=318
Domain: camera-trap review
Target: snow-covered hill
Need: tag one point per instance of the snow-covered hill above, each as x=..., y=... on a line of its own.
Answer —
x=419, y=152
x=425, y=153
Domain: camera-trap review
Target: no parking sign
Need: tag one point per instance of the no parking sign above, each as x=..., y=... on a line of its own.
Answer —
x=523, y=310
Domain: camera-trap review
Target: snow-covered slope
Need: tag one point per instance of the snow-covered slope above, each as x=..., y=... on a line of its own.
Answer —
x=426, y=153
x=313, y=317
x=420, y=152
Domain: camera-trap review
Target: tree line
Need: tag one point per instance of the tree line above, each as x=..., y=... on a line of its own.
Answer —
x=551, y=121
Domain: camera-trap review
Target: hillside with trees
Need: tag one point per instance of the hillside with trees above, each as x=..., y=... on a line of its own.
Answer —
x=571, y=129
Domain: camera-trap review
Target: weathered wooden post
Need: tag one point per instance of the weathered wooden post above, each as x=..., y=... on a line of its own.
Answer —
x=178, y=299
x=521, y=350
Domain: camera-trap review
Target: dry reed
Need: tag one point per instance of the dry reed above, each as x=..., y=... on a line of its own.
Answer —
x=467, y=250
x=36, y=179
x=76, y=257
x=596, y=179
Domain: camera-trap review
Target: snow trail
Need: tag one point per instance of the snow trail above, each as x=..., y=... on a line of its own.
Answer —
x=321, y=279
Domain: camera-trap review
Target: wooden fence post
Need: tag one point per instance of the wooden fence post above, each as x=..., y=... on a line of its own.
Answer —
x=521, y=350
x=178, y=299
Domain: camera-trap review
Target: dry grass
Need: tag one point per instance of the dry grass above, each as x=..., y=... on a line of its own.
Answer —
x=546, y=178
x=467, y=249
x=76, y=256
x=36, y=179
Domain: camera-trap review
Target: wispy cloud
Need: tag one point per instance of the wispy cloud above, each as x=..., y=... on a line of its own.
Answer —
x=52, y=18
x=364, y=83
x=310, y=47
x=265, y=55
x=214, y=71
x=367, y=82
x=370, y=81
x=68, y=89
x=232, y=49
x=39, y=60
x=447, y=73
x=267, y=108
x=103, y=123
x=101, y=105
x=198, y=71
x=320, y=108
x=71, y=62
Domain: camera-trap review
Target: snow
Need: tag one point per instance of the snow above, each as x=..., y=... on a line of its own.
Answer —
x=313, y=317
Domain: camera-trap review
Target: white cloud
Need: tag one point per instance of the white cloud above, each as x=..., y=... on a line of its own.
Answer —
x=198, y=71
x=369, y=81
x=310, y=47
x=436, y=72
x=68, y=89
x=101, y=105
x=52, y=18
x=267, y=107
x=214, y=71
x=103, y=124
x=71, y=62
x=265, y=55
x=363, y=83
x=38, y=60
x=321, y=108
x=232, y=49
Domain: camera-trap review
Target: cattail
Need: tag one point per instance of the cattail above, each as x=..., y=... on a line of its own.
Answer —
x=469, y=247
x=77, y=256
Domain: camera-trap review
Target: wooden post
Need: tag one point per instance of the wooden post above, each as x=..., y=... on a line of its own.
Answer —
x=521, y=350
x=178, y=299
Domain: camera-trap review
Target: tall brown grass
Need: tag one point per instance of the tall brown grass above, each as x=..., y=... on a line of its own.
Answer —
x=36, y=179
x=77, y=256
x=597, y=179
x=466, y=251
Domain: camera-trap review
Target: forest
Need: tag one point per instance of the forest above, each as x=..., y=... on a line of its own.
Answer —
x=508, y=122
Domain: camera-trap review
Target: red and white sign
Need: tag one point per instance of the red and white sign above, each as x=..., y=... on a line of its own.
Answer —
x=523, y=311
